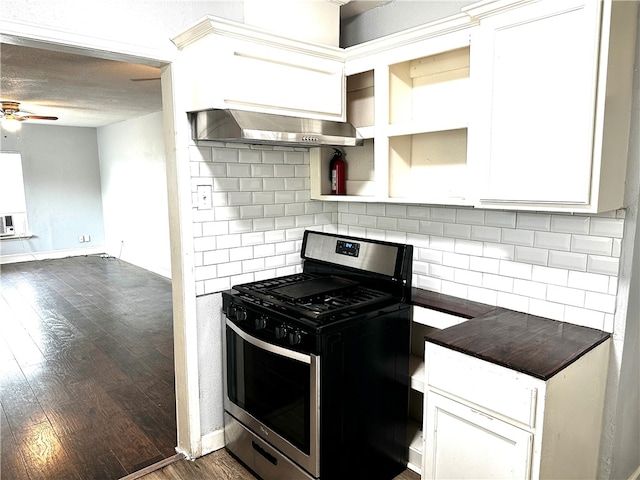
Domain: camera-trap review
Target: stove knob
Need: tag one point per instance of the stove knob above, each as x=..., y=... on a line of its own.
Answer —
x=295, y=337
x=241, y=314
x=281, y=331
x=261, y=322
x=231, y=311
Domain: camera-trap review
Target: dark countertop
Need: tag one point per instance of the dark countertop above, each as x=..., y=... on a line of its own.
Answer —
x=537, y=346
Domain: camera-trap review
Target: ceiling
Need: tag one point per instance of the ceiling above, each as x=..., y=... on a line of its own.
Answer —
x=81, y=91
x=85, y=91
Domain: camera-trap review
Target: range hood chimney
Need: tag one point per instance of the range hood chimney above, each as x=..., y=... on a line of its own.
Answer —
x=240, y=126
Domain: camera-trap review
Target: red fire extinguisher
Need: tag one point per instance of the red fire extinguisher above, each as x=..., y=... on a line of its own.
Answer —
x=338, y=173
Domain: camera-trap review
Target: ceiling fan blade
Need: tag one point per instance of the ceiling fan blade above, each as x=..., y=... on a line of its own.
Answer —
x=37, y=117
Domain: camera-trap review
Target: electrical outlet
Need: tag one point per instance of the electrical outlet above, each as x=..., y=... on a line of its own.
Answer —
x=81, y=238
x=204, y=197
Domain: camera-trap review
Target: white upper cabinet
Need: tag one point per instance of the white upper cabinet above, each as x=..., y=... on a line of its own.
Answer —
x=552, y=92
x=231, y=65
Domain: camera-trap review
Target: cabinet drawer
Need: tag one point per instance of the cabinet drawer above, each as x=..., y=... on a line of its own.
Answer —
x=497, y=389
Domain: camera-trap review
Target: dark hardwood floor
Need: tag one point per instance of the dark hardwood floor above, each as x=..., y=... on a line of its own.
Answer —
x=220, y=465
x=86, y=369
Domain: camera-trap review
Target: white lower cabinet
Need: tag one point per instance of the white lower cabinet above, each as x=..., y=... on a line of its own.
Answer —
x=483, y=420
x=466, y=443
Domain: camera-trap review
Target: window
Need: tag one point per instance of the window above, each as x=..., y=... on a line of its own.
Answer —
x=13, y=207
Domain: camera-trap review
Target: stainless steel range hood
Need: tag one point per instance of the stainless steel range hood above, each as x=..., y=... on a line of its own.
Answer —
x=239, y=126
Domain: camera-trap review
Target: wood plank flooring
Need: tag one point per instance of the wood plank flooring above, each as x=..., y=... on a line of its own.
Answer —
x=86, y=369
x=220, y=465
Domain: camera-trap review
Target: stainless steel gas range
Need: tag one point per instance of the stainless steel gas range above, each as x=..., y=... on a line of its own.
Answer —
x=317, y=364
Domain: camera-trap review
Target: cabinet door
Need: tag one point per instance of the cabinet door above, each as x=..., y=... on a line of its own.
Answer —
x=537, y=66
x=464, y=443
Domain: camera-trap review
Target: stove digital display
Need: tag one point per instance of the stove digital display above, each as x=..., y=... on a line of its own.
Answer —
x=351, y=249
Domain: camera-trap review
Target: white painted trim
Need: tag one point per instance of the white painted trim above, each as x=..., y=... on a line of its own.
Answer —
x=35, y=256
x=31, y=35
x=213, y=441
x=635, y=475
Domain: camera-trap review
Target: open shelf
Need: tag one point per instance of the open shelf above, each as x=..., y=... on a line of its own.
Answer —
x=429, y=165
x=432, y=87
x=360, y=99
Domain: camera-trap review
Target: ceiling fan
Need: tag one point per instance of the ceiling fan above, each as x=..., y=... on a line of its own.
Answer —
x=11, y=111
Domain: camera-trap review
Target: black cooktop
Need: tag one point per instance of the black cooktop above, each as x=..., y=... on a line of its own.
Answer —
x=313, y=296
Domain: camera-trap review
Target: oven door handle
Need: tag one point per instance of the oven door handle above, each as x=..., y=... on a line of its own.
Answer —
x=284, y=352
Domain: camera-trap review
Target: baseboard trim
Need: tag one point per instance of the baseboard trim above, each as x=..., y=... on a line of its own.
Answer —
x=635, y=475
x=52, y=254
x=213, y=441
x=152, y=468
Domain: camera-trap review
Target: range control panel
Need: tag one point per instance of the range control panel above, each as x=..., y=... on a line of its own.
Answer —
x=351, y=249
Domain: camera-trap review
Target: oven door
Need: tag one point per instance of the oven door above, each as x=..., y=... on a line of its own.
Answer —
x=274, y=392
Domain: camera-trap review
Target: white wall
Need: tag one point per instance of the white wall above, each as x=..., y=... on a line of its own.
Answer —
x=134, y=192
x=62, y=190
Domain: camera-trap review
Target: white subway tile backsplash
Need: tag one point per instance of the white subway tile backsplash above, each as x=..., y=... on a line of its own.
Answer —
x=498, y=250
x=440, y=214
x=252, y=238
x=543, y=308
x=468, y=247
x=589, y=281
x=482, y=295
x=221, y=184
x=408, y=225
x=387, y=223
x=554, y=265
x=431, y=228
x=250, y=184
x=455, y=260
x=593, y=245
x=430, y=255
x=273, y=210
x=457, y=230
x=239, y=253
x=515, y=269
x=568, y=260
x=609, y=227
x=367, y=221
x=485, y=265
x=600, y=302
x=249, y=156
x=519, y=303
x=238, y=170
x=552, y=240
x=442, y=243
x=418, y=212
x=454, y=289
x=570, y=224
x=486, y=234
x=553, y=276
x=534, y=256
x=239, y=198
x=441, y=271
x=285, y=222
x=530, y=289
x=396, y=210
x=497, y=282
x=274, y=184
x=566, y=295
x=470, y=216
x=251, y=211
x=585, y=317
x=500, y=219
x=533, y=221
x=240, y=226
x=468, y=277
x=518, y=237
x=281, y=170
